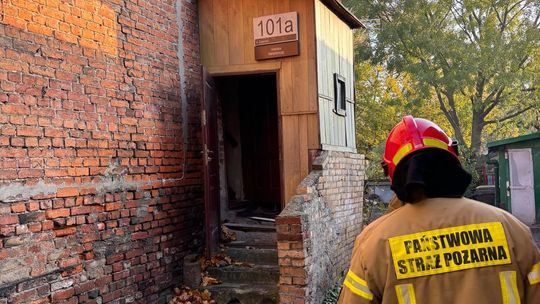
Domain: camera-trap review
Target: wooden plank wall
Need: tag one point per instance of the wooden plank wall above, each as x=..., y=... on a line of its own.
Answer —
x=226, y=31
x=335, y=55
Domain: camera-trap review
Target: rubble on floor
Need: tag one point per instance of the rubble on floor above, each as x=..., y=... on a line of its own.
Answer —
x=246, y=270
x=186, y=295
x=244, y=275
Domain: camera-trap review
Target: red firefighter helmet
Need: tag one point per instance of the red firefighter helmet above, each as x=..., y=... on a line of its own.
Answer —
x=413, y=134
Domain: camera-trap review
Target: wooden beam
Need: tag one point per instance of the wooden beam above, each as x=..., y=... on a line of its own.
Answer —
x=242, y=69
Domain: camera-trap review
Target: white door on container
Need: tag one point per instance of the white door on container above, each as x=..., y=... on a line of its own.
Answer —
x=521, y=184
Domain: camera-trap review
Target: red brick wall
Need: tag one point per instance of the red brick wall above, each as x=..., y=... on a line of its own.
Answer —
x=97, y=204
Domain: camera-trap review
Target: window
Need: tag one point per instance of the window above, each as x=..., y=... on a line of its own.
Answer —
x=340, y=95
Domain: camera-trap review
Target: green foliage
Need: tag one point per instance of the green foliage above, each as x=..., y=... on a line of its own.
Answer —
x=382, y=99
x=372, y=209
x=332, y=295
x=468, y=162
x=473, y=63
x=376, y=113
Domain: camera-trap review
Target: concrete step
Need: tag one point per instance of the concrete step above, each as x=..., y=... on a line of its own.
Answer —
x=256, y=256
x=244, y=293
x=270, y=227
x=258, y=274
x=252, y=244
x=256, y=239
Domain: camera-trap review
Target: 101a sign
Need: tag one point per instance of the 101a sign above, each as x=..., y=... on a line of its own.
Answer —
x=276, y=35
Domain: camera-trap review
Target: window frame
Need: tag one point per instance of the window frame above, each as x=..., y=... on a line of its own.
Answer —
x=340, y=95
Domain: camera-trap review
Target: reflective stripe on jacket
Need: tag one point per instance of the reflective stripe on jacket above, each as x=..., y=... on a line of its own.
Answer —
x=444, y=250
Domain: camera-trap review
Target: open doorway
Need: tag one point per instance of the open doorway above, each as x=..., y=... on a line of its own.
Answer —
x=242, y=181
x=251, y=186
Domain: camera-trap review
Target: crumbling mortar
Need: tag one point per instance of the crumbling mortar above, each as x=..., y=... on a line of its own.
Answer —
x=18, y=191
x=327, y=197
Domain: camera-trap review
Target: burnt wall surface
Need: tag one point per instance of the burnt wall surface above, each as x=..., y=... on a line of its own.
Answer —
x=317, y=229
x=100, y=174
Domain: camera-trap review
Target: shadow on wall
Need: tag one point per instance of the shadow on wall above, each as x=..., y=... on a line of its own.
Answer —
x=90, y=98
x=88, y=23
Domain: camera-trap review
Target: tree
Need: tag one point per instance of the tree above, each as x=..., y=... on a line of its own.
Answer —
x=383, y=97
x=477, y=60
x=377, y=110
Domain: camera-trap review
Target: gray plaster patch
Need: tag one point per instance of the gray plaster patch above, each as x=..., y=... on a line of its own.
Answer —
x=12, y=270
x=95, y=268
x=14, y=192
x=61, y=284
x=112, y=182
x=114, y=185
x=183, y=81
x=113, y=179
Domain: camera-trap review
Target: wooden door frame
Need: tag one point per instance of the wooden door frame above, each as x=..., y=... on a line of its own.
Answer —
x=271, y=67
x=211, y=241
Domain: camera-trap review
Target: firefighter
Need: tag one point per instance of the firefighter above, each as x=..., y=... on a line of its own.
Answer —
x=439, y=247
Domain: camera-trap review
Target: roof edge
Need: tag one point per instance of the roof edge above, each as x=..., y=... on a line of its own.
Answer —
x=512, y=140
x=343, y=13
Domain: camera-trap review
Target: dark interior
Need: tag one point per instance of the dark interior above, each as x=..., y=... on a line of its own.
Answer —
x=251, y=141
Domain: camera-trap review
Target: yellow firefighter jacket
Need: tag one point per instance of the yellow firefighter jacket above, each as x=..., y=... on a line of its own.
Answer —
x=444, y=250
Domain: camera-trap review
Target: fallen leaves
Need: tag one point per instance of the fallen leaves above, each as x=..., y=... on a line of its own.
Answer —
x=218, y=260
x=243, y=264
x=208, y=280
x=227, y=235
x=186, y=295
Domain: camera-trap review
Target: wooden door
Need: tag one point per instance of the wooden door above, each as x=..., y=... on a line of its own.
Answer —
x=211, y=163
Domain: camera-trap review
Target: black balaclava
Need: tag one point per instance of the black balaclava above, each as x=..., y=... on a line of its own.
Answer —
x=438, y=172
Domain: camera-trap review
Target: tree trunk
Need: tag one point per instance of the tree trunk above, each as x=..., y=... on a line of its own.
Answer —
x=457, y=133
x=451, y=115
x=477, y=117
x=476, y=135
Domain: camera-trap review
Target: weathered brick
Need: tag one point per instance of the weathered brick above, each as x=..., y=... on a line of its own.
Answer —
x=8, y=219
x=63, y=294
x=15, y=109
x=139, y=235
x=84, y=210
x=289, y=237
x=24, y=173
x=112, y=206
x=114, y=258
x=12, y=152
x=34, y=227
x=56, y=172
x=295, y=291
x=18, y=207
x=65, y=231
x=293, y=271
x=31, y=217
x=67, y=192
x=24, y=296
x=55, y=213
x=29, y=131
